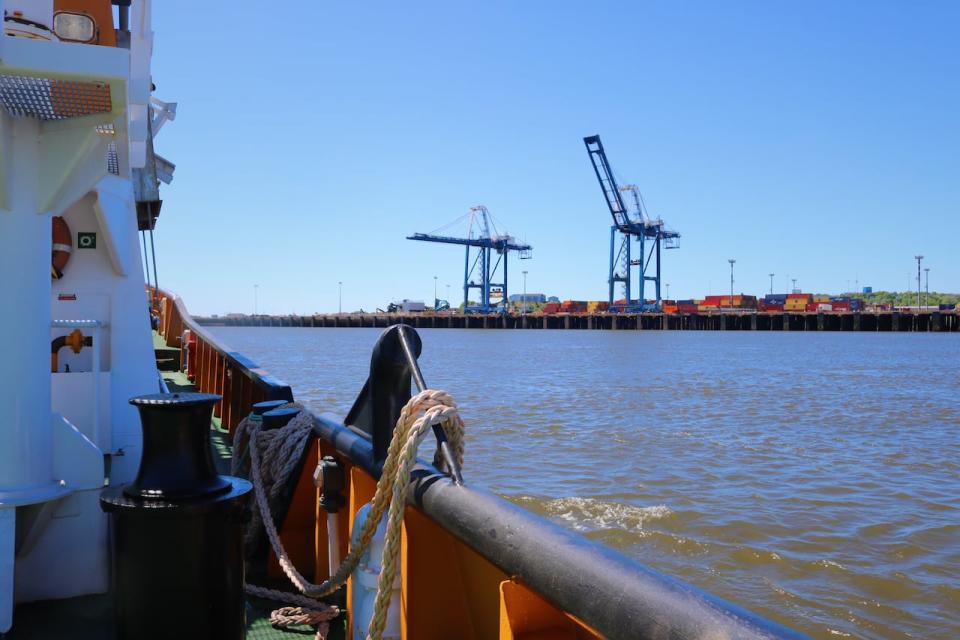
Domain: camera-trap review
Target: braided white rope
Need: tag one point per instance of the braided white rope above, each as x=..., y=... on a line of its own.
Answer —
x=427, y=408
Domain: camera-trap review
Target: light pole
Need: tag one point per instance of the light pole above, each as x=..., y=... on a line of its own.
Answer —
x=448, y=293
x=794, y=290
x=732, y=262
x=668, y=291
x=339, y=298
x=435, y=305
x=926, y=295
x=523, y=309
x=919, y=258
x=255, y=287
x=771, y=282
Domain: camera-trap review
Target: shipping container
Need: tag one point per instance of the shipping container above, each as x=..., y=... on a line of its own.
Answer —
x=551, y=307
x=573, y=306
x=771, y=307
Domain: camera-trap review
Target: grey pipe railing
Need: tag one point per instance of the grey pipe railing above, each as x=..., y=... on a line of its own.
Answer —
x=617, y=596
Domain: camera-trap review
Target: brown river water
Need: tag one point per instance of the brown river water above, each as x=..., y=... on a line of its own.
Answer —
x=811, y=477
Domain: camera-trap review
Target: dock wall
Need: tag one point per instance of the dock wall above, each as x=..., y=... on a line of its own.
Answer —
x=933, y=321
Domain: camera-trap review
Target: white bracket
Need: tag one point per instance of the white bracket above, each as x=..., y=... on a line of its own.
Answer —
x=162, y=112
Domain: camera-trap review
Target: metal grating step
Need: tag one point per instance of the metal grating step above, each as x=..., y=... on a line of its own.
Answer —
x=48, y=99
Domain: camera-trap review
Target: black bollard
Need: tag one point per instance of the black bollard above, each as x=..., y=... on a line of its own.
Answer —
x=277, y=418
x=176, y=530
x=261, y=408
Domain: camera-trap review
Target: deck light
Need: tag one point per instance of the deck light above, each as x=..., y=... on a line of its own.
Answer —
x=74, y=27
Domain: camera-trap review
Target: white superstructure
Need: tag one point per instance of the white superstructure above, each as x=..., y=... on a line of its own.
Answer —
x=73, y=124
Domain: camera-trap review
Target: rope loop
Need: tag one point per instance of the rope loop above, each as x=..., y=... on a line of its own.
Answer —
x=424, y=410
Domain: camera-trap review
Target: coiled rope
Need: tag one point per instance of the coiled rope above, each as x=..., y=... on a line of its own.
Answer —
x=427, y=408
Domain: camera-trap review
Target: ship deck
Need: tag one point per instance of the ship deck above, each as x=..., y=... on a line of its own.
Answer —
x=90, y=617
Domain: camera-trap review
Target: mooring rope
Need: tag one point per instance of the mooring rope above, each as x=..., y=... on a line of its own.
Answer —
x=427, y=408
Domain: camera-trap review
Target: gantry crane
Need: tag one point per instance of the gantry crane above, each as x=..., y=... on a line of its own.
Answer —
x=480, y=222
x=636, y=224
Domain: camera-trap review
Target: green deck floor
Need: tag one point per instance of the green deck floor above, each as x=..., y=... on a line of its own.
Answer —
x=89, y=617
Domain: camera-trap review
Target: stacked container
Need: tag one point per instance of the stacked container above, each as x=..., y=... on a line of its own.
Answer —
x=573, y=306
x=797, y=301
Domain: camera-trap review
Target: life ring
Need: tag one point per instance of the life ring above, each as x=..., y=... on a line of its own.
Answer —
x=62, y=247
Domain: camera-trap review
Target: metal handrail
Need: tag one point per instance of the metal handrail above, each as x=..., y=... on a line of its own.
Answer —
x=613, y=594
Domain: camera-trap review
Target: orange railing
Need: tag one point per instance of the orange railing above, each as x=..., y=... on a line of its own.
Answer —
x=213, y=367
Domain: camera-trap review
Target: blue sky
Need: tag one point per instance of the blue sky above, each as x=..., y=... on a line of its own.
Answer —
x=816, y=140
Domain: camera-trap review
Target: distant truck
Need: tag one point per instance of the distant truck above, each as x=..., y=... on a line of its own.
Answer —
x=407, y=306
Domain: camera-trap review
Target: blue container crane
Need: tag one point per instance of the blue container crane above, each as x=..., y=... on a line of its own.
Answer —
x=485, y=245
x=636, y=224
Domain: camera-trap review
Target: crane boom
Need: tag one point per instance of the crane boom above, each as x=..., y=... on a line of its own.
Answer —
x=500, y=244
x=608, y=184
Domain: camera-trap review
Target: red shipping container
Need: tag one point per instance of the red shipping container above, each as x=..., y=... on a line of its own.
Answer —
x=573, y=306
x=773, y=307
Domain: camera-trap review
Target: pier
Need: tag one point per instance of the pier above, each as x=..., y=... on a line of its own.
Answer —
x=900, y=321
